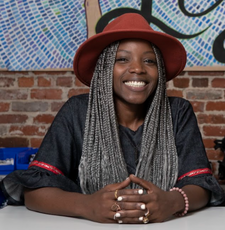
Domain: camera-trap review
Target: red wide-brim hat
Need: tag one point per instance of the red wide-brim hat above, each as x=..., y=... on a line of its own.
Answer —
x=129, y=25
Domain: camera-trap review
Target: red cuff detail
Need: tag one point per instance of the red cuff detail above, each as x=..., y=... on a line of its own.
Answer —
x=195, y=173
x=45, y=166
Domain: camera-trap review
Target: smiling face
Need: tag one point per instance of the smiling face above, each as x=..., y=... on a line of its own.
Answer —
x=135, y=72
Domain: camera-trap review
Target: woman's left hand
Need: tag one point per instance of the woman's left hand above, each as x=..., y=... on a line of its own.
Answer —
x=159, y=203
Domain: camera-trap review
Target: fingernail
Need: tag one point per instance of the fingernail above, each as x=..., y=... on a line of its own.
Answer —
x=127, y=178
x=140, y=191
x=117, y=214
x=147, y=213
x=120, y=198
x=120, y=221
x=143, y=206
x=141, y=218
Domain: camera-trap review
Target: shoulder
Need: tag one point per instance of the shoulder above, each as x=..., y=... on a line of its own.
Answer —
x=75, y=106
x=181, y=110
x=178, y=101
x=77, y=102
x=179, y=104
x=81, y=98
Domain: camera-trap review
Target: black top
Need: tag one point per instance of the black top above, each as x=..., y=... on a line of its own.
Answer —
x=56, y=163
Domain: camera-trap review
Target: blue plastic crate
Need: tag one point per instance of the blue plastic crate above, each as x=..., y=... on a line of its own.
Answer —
x=23, y=158
x=10, y=154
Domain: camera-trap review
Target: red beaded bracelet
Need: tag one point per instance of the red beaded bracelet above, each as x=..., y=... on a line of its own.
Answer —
x=186, y=202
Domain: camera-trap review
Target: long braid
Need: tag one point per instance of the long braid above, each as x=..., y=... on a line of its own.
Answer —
x=101, y=153
x=102, y=160
x=158, y=161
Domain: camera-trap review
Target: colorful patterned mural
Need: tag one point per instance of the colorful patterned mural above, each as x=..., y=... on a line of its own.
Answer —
x=44, y=34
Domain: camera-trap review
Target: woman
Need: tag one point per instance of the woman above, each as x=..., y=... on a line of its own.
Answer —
x=126, y=152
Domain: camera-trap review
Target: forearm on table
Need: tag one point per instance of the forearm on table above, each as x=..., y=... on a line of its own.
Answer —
x=55, y=201
x=197, y=197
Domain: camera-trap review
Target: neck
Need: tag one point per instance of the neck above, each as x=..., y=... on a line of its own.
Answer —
x=130, y=116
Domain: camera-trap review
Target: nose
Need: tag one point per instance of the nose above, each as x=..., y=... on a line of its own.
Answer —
x=137, y=67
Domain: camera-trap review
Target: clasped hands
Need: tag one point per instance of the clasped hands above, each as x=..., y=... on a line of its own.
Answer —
x=116, y=204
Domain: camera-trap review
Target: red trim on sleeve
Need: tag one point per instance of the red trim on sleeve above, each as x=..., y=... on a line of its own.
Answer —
x=195, y=173
x=45, y=166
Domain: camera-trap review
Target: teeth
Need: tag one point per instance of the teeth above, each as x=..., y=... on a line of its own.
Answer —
x=135, y=83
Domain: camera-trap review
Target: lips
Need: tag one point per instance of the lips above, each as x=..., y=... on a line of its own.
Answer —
x=136, y=84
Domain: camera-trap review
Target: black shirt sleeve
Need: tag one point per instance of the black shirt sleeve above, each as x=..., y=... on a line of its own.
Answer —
x=57, y=160
x=193, y=164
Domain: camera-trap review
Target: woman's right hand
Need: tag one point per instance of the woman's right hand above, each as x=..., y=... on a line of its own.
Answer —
x=102, y=206
x=98, y=206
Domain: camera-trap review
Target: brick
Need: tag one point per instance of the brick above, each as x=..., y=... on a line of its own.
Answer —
x=198, y=106
x=45, y=81
x=13, y=118
x=64, y=81
x=206, y=73
x=56, y=106
x=4, y=107
x=215, y=154
x=211, y=118
x=35, y=106
x=74, y=92
x=209, y=143
x=36, y=142
x=28, y=130
x=13, y=94
x=200, y=82
x=7, y=81
x=78, y=83
x=181, y=82
x=25, y=81
x=43, y=119
x=215, y=106
x=14, y=142
x=218, y=83
x=203, y=95
x=46, y=94
x=174, y=93
x=217, y=131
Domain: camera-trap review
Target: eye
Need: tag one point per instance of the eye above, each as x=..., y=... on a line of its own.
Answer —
x=121, y=59
x=150, y=61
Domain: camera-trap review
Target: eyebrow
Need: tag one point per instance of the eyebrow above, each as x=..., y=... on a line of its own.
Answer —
x=121, y=50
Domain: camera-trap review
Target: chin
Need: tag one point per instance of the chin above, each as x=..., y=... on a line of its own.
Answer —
x=135, y=101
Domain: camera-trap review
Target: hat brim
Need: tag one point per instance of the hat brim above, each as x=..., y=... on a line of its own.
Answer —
x=173, y=52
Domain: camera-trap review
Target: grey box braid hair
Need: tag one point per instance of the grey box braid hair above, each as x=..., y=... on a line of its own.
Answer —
x=102, y=160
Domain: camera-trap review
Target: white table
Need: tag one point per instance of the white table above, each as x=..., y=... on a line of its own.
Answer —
x=19, y=218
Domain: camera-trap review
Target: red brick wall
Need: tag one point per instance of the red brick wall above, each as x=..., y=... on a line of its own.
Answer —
x=28, y=103
x=30, y=100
